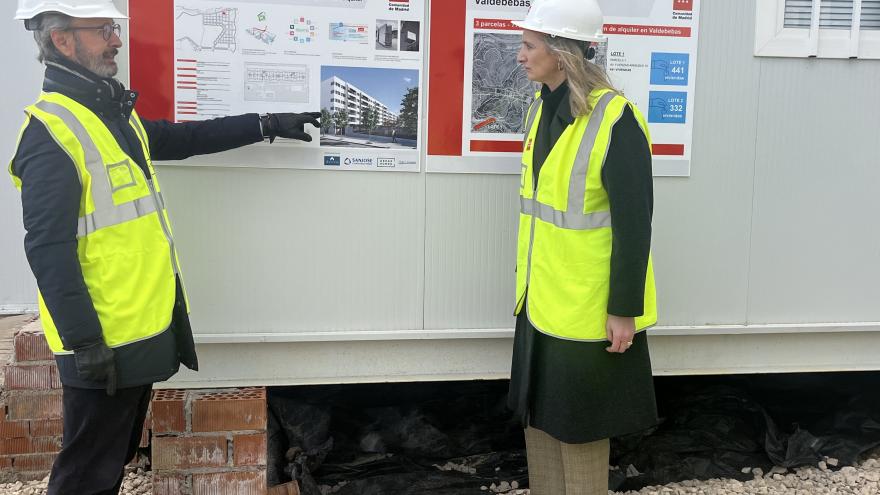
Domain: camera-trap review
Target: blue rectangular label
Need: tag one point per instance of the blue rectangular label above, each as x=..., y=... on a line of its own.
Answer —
x=670, y=69
x=332, y=160
x=667, y=107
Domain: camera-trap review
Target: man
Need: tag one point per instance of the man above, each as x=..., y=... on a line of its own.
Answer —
x=98, y=239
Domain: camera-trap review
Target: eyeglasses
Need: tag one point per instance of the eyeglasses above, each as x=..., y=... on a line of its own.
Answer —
x=107, y=30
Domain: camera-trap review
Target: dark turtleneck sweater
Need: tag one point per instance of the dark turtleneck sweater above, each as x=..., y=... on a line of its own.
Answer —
x=627, y=178
x=51, y=194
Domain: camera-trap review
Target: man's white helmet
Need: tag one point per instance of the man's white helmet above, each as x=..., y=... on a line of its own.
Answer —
x=576, y=19
x=28, y=9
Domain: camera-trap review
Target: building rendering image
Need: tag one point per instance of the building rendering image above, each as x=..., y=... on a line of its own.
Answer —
x=338, y=94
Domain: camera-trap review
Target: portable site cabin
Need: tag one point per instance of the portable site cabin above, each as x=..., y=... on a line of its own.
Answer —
x=767, y=256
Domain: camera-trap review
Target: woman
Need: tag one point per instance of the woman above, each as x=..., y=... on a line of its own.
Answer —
x=584, y=274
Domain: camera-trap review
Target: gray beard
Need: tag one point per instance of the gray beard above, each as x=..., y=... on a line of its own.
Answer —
x=95, y=63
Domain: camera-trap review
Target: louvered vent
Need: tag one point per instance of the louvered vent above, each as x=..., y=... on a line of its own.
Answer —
x=798, y=13
x=871, y=14
x=834, y=14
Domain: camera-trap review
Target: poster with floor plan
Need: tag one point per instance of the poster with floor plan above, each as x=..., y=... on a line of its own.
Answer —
x=477, y=103
x=358, y=62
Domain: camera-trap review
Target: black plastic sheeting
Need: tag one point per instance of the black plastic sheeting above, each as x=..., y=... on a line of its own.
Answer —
x=713, y=427
x=390, y=438
x=387, y=439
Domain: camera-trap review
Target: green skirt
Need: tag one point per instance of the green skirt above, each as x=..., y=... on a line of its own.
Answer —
x=577, y=392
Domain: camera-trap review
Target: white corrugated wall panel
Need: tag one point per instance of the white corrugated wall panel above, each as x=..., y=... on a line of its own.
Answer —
x=815, y=241
x=298, y=251
x=701, y=223
x=470, y=258
x=20, y=88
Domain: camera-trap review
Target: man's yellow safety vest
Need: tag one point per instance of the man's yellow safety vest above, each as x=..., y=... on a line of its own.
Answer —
x=564, y=251
x=124, y=241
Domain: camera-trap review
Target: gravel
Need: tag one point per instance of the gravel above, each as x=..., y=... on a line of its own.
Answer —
x=136, y=482
x=862, y=479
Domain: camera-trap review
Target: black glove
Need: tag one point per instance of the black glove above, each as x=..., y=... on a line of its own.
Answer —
x=289, y=125
x=96, y=363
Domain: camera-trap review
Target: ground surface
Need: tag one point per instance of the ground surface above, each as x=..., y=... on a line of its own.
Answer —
x=857, y=480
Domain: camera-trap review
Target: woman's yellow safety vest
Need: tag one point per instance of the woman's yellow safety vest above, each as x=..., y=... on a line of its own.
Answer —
x=124, y=240
x=564, y=251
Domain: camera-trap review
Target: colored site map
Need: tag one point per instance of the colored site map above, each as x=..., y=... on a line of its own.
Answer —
x=261, y=34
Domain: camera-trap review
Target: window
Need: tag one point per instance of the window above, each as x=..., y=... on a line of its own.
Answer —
x=818, y=28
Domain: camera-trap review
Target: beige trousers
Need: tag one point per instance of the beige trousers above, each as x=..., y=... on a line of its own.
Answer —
x=557, y=468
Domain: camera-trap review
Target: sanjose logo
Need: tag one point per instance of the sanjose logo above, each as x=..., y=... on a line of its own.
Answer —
x=359, y=162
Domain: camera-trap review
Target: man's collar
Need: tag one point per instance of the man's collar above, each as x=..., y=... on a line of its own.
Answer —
x=104, y=96
x=72, y=69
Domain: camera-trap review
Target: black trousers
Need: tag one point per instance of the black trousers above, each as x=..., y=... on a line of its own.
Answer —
x=101, y=435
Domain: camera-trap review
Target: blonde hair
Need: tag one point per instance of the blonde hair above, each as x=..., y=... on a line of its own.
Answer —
x=583, y=76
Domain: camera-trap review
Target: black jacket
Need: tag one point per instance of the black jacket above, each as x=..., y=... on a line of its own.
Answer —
x=50, y=199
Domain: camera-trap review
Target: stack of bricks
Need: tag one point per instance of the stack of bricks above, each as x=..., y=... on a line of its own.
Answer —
x=209, y=442
x=30, y=416
x=204, y=442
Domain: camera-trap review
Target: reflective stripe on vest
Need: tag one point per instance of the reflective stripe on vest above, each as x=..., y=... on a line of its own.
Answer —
x=571, y=220
x=533, y=112
x=564, y=250
x=124, y=241
x=106, y=214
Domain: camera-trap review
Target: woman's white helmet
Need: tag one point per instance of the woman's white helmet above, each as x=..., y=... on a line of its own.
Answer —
x=29, y=9
x=576, y=19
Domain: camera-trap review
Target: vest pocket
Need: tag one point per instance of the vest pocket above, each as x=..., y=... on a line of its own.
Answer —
x=127, y=182
x=121, y=175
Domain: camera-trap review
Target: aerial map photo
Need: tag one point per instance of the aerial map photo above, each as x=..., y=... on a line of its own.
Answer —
x=501, y=90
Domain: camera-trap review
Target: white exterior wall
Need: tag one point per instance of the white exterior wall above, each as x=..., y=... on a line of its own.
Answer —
x=766, y=257
x=20, y=88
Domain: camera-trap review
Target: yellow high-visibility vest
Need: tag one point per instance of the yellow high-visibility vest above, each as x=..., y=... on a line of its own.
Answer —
x=124, y=241
x=564, y=249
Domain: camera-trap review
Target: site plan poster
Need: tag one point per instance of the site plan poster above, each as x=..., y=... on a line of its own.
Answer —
x=358, y=62
x=476, y=125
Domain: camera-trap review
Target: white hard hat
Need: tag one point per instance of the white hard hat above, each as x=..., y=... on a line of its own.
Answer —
x=576, y=19
x=28, y=9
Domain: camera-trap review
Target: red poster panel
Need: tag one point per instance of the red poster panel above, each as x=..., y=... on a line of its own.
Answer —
x=667, y=150
x=451, y=146
x=650, y=56
x=446, y=78
x=152, y=53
